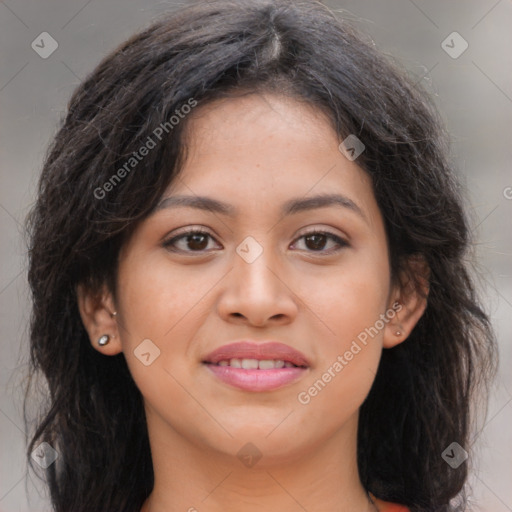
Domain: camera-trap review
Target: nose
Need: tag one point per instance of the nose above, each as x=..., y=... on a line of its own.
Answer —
x=258, y=293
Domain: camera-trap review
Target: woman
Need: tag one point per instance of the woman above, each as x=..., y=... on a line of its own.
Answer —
x=250, y=292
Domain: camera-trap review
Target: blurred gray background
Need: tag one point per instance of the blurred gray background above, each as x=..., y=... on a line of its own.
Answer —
x=472, y=87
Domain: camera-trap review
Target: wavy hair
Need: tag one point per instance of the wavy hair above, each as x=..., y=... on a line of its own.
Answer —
x=425, y=389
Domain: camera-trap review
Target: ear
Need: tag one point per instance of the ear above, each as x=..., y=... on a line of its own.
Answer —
x=408, y=300
x=97, y=313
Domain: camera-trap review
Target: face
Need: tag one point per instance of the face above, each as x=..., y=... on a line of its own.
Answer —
x=271, y=264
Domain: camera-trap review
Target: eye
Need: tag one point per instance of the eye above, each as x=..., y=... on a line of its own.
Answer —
x=197, y=241
x=316, y=241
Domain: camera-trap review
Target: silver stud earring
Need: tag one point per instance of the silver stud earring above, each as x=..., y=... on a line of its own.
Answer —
x=103, y=340
x=398, y=333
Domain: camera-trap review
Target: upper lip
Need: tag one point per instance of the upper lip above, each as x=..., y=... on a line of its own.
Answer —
x=257, y=350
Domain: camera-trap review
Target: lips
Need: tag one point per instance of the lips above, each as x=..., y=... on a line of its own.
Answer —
x=257, y=366
x=257, y=350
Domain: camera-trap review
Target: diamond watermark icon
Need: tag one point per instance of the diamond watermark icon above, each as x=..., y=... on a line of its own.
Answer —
x=454, y=455
x=249, y=250
x=351, y=147
x=146, y=352
x=249, y=455
x=44, y=45
x=44, y=455
x=454, y=45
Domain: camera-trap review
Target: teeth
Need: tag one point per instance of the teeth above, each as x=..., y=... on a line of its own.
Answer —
x=268, y=364
x=253, y=364
x=249, y=364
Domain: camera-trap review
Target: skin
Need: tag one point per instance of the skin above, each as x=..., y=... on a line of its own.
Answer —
x=255, y=153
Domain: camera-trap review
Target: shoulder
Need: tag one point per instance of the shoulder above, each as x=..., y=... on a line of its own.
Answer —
x=387, y=506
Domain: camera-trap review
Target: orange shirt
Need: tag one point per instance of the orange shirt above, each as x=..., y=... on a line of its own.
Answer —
x=387, y=506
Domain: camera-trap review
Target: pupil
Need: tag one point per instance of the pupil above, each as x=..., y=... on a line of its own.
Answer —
x=195, y=244
x=316, y=243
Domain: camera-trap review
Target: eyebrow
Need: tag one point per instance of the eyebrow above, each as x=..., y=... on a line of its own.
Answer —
x=290, y=207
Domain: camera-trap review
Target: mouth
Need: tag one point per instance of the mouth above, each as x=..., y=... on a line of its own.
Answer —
x=256, y=366
x=252, y=355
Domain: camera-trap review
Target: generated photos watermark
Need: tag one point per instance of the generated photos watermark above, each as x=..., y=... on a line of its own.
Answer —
x=304, y=397
x=149, y=144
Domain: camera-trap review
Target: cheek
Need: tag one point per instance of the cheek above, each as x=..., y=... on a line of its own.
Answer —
x=334, y=395
x=164, y=303
x=350, y=305
x=351, y=297
x=158, y=296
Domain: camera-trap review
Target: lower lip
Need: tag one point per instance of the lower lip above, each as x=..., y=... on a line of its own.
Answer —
x=256, y=380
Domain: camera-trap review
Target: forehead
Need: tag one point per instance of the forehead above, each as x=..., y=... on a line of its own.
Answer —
x=242, y=120
x=264, y=150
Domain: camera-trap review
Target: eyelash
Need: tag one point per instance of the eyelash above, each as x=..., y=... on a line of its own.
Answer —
x=342, y=243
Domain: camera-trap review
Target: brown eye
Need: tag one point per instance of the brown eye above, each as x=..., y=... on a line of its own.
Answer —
x=316, y=241
x=191, y=241
x=197, y=241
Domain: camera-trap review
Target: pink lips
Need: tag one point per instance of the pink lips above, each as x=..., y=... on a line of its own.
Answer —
x=256, y=379
x=250, y=350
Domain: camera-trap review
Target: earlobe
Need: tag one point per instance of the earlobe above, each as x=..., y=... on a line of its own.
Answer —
x=412, y=295
x=98, y=315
